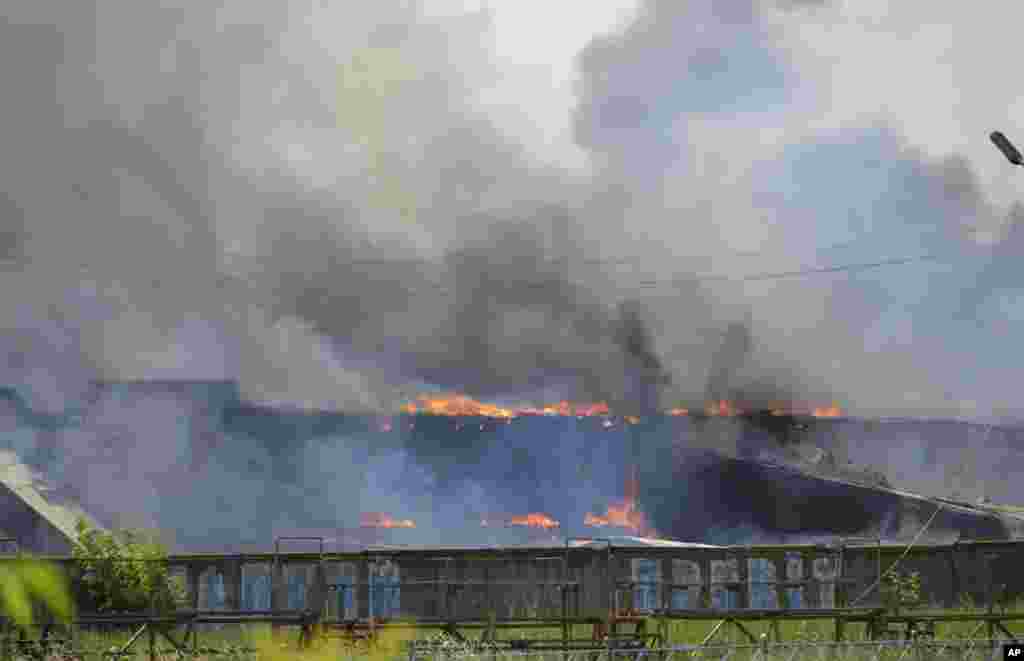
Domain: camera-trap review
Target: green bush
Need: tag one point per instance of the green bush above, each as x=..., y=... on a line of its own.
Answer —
x=25, y=582
x=901, y=590
x=125, y=571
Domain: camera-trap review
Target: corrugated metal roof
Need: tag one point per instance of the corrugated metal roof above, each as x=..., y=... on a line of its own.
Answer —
x=622, y=541
x=647, y=541
x=19, y=479
x=949, y=504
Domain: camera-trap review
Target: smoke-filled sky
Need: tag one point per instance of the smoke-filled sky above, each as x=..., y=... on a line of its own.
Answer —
x=342, y=204
x=338, y=205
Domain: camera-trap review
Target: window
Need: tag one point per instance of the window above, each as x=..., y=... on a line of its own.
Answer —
x=255, y=587
x=296, y=584
x=214, y=583
x=725, y=598
x=826, y=570
x=385, y=590
x=762, y=583
x=645, y=584
x=345, y=588
x=725, y=576
x=794, y=572
x=342, y=580
x=687, y=584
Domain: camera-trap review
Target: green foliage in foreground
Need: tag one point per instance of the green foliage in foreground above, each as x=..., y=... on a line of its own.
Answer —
x=25, y=582
x=125, y=571
x=901, y=590
x=253, y=642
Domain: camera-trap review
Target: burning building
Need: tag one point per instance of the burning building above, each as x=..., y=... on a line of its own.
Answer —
x=589, y=578
x=468, y=472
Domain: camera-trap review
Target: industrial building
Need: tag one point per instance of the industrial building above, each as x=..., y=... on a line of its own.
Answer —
x=573, y=578
x=581, y=577
x=593, y=577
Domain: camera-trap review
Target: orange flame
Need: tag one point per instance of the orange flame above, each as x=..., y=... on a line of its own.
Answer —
x=457, y=405
x=592, y=409
x=461, y=405
x=723, y=408
x=827, y=412
x=621, y=514
x=624, y=513
x=534, y=520
x=382, y=520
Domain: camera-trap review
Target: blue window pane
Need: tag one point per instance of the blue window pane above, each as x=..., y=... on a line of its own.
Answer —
x=762, y=590
x=384, y=596
x=795, y=596
x=645, y=593
x=680, y=599
x=256, y=592
x=761, y=596
x=214, y=591
x=297, y=591
x=345, y=595
x=725, y=599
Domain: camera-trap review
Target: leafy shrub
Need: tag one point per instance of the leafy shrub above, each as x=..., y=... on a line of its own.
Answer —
x=24, y=582
x=901, y=590
x=125, y=571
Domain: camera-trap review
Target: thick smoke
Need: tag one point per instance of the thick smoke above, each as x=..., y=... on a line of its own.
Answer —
x=297, y=206
x=325, y=216
x=720, y=136
x=313, y=200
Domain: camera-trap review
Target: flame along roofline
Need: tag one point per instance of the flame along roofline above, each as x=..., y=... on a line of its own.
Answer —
x=624, y=541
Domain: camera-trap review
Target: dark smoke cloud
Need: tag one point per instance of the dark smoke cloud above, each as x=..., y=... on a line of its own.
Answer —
x=309, y=199
x=144, y=160
x=728, y=359
x=227, y=236
x=217, y=193
x=239, y=189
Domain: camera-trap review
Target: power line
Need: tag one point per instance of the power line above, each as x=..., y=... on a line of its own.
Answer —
x=864, y=266
x=634, y=259
x=709, y=277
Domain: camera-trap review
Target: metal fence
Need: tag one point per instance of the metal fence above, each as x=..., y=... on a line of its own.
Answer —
x=958, y=650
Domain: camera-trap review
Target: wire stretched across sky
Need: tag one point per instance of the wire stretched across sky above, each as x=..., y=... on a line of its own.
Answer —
x=820, y=270
x=768, y=276
x=709, y=277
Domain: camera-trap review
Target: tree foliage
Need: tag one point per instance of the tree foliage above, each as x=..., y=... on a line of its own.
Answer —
x=901, y=591
x=125, y=571
x=25, y=581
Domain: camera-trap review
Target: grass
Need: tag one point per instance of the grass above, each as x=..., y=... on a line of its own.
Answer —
x=249, y=641
x=219, y=643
